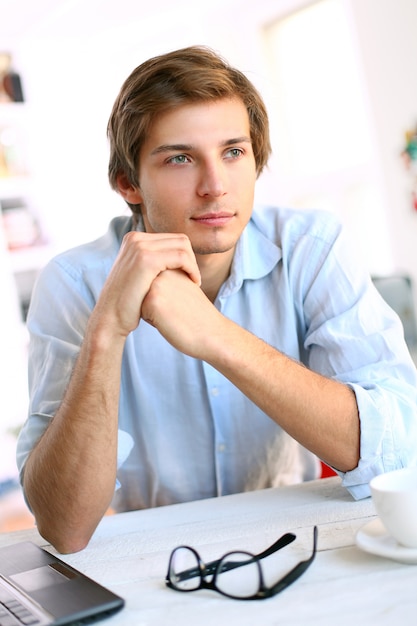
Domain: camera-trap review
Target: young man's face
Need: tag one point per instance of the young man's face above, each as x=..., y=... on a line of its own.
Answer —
x=197, y=174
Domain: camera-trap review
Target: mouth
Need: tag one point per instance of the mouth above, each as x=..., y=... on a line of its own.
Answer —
x=214, y=219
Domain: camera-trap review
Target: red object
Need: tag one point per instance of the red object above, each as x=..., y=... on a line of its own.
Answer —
x=326, y=471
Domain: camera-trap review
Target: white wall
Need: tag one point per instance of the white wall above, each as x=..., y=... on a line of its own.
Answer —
x=388, y=48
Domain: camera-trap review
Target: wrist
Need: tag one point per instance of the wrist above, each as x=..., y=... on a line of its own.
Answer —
x=102, y=334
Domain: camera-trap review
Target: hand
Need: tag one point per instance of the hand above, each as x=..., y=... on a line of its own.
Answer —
x=142, y=258
x=182, y=313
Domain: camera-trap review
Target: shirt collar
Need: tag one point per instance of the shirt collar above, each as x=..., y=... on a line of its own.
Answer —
x=255, y=257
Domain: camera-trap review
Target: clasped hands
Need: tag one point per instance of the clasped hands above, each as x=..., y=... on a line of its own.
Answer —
x=156, y=278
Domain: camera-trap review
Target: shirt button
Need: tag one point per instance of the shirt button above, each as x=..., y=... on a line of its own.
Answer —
x=215, y=391
x=221, y=447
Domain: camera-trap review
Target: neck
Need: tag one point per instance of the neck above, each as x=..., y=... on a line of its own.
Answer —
x=214, y=269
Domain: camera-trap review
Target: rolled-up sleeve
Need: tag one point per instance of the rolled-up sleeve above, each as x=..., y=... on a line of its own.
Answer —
x=353, y=336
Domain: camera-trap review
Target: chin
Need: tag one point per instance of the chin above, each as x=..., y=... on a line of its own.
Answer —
x=213, y=249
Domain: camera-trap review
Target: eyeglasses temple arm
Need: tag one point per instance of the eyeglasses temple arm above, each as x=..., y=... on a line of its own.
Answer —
x=283, y=541
x=296, y=572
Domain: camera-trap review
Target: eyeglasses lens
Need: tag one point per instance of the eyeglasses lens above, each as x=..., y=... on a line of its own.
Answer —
x=184, y=570
x=238, y=575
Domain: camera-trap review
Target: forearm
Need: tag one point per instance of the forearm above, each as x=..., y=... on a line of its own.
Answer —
x=318, y=412
x=70, y=475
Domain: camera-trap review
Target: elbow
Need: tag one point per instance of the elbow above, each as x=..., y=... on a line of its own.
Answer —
x=70, y=546
x=66, y=535
x=62, y=526
x=64, y=542
x=66, y=530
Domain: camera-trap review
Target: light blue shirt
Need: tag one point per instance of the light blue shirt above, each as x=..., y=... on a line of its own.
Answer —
x=185, y=432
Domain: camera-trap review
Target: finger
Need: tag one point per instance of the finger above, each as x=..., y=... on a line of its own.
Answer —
x=162, y=251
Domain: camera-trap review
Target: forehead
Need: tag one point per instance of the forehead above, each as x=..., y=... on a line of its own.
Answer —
x=218, y=119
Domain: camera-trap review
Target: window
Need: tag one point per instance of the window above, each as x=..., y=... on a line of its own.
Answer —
x=321, y=128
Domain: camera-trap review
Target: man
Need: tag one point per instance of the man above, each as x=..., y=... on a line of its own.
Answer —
x=202, y=347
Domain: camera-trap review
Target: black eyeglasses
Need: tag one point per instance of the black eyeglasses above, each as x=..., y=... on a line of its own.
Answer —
x=187, y=572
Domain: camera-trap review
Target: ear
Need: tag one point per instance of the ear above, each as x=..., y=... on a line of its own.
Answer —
x=131, y=194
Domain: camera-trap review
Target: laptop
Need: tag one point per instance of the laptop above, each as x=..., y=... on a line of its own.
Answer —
x=38, y=589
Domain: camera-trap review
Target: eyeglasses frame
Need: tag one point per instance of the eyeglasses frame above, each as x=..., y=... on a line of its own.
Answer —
x=213, y=567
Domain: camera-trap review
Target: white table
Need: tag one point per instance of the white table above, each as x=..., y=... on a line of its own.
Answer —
x=129, y=554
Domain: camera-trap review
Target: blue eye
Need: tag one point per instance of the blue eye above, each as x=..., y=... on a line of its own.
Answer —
x=234, y=153
x=179, y=158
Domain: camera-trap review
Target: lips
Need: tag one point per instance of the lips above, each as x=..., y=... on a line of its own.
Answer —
x=214, y=219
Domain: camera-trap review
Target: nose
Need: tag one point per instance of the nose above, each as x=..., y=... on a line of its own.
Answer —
x=211, y=180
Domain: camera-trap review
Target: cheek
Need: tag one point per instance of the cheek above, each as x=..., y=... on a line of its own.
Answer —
x=244, y=185
x=166, y=189
x=161, y=214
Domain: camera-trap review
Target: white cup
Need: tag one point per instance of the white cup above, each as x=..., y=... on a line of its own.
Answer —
x=394, y=495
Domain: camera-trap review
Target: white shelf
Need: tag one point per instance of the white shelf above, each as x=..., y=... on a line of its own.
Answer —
x=21, y=226
x=16, y=115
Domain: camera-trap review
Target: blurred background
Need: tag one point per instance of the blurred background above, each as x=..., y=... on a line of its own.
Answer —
x=337, y=77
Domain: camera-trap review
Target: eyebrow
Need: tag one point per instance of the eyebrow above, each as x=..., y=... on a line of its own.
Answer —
x=184, y=147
